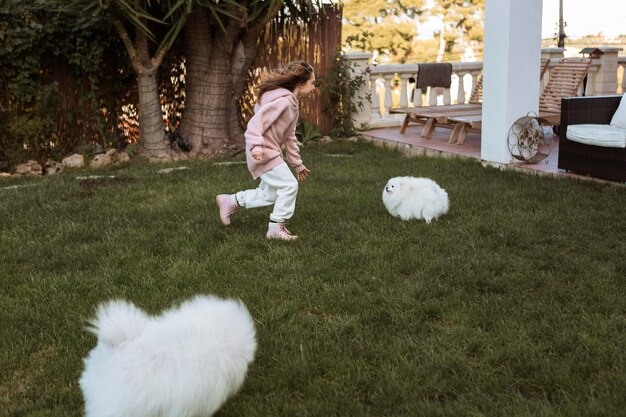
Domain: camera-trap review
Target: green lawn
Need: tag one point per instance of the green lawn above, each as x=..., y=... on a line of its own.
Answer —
x=512, y=304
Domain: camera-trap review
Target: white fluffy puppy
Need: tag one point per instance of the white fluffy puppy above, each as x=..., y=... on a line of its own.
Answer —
x=186, y=362
x=415, y=198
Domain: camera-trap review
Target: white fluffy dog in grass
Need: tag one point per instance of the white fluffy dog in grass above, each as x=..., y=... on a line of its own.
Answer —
x=415, y=198
x=185, y=362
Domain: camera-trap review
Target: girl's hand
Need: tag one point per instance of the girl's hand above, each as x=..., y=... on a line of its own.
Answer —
x=257, y=156
x=302, y=175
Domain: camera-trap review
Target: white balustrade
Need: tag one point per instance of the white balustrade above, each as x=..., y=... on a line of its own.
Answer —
x=390, y=86
x=384, y=84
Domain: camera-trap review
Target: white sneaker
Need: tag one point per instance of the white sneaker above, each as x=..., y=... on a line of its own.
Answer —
x=227, y=203
x=279, y=231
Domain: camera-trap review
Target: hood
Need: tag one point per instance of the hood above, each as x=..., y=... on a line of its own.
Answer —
x=278, y=93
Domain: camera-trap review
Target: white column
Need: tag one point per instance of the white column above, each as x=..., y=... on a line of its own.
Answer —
x=511, y=71
x=605, y=81
x=359, y=64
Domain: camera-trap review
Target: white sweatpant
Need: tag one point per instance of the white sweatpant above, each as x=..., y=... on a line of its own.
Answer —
x=279, y=187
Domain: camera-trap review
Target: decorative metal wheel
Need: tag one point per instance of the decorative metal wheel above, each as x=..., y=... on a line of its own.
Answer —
x=530, y=139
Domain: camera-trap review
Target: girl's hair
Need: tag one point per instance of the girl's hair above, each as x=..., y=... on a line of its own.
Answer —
x=289, y=77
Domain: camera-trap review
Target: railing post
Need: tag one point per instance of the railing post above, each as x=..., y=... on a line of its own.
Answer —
x=446, y=96
x=460, y=92
x=605, y=80
x=359, y=67
x=432, y=96
x=388, y=97
x=417, y=96
x=375, y=108
x=404, y=101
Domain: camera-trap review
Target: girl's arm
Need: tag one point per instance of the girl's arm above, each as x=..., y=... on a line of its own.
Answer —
x=292, y=151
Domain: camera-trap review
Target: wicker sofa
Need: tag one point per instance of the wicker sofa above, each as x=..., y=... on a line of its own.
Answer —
x=596, y=161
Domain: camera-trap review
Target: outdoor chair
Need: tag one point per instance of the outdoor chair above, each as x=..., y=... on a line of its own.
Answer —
x=593, y=157
x=437, y=116
x=565, y=80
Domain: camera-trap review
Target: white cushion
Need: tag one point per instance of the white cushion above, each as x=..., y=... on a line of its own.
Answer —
x=619, y=118
x=598, y=135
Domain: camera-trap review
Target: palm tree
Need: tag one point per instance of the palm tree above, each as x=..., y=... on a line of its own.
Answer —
x=221, y=43
x=562, y=36
x=220, y=48
x=135, y=22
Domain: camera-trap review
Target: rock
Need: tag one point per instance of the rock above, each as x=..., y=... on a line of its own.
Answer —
x=52, y=167
x=5, y=175
x=122, y=157
x=100, y=161
x=326, y=139
x=29, y=168
x=74, y=161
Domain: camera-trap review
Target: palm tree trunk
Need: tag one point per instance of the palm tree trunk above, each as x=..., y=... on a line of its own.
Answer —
x=152, y=138
x=154, y=143
x=243, y=57
x=198, y=43
x=217, y=68
x=209, y=87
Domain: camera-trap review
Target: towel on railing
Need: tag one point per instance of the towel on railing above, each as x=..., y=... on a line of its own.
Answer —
x=434, y=75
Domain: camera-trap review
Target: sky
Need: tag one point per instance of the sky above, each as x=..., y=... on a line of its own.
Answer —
x=585, y=17
x=607, y=16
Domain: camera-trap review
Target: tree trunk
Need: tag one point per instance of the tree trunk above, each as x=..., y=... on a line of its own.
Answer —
x=152, y=138
x=208, y=86
x=217, y=68
x=198, y=44
x=243, y=58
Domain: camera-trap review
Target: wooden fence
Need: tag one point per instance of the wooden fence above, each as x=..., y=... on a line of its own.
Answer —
x=284, y=41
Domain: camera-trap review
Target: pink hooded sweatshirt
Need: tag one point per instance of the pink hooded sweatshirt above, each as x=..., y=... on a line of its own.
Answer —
x=273, y=126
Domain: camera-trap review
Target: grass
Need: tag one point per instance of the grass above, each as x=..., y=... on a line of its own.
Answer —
x=513, y=304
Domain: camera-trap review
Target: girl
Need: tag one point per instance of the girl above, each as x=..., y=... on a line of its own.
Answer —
x=272, y=126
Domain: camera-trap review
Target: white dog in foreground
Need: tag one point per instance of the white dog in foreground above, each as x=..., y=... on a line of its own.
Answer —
x=185, y=362
x=415, y=198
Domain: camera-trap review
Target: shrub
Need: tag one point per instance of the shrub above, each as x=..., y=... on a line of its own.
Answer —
x=340, y=88
x=306, y=131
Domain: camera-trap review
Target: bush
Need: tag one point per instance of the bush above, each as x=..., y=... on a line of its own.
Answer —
x=30, y=129
x=340, y=88
x=306, y=131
